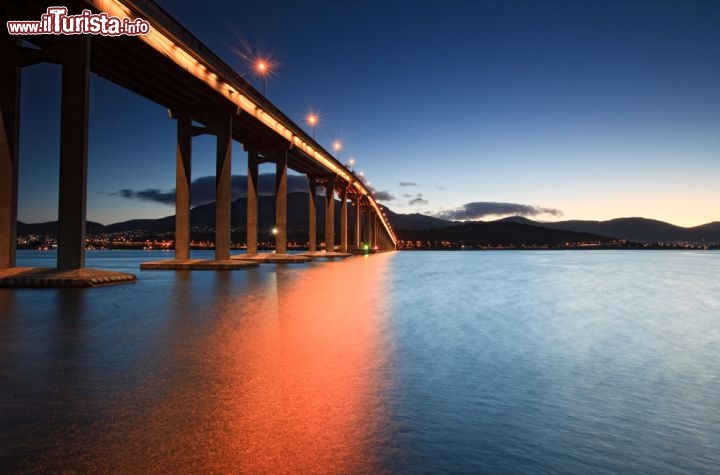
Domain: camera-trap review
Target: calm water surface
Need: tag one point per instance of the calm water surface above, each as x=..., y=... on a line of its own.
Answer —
x=412, y=362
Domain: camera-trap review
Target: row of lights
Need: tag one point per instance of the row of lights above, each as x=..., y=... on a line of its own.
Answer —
x=263, y=69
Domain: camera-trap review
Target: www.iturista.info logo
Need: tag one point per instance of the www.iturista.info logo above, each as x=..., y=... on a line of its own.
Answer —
x=56, y=21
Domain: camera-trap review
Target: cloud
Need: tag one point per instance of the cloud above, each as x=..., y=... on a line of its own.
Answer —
x=480, y=209
x=440, y=187
x=383, y=195
x=417, y=200
x=408, y=183
x=202, y=190
x=149, y=194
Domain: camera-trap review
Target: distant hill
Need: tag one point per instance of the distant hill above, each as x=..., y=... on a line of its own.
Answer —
x=634, y=229
x=407, y=225
x=204, y=215
x=500, y=233
x=415, y=221
x=50, y=227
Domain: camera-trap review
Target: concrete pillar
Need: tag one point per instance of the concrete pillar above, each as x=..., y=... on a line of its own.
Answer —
x=369, y=221
x=281, y=203
x=356, y=202
x=312, y=216
x=252, y=197
x=330, y=215
x=9, y=148
x=182, y=187
x=343, y=220
x=72, y=204
x=223, y=188
x=363, y=225
x=376, y=230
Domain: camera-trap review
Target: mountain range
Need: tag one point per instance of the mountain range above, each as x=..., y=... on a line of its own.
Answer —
x=418, y=226
x=641, y=230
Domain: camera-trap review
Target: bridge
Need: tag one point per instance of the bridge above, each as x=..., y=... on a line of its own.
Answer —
x=204, y=95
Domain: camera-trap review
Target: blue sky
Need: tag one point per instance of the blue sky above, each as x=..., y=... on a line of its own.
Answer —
x=591, y=109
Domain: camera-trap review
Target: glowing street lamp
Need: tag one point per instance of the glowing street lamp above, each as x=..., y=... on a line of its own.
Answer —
x=351, y=162
x=337, y=146
x=312, y=121
x=262, y=69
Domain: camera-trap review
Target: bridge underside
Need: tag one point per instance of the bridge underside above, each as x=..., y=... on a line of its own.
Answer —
x=198, y=104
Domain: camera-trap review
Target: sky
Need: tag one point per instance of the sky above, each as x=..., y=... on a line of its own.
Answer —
x=549, y=109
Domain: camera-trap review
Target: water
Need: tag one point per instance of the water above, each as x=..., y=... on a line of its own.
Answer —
x=411, y=362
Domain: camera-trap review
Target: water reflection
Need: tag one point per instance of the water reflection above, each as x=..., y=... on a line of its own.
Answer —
x=277, y=371
x=478, y=362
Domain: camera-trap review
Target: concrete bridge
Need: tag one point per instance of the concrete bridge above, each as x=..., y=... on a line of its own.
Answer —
x=203, y=95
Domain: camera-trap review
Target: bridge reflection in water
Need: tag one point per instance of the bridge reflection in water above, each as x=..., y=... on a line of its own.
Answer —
x=243, y=376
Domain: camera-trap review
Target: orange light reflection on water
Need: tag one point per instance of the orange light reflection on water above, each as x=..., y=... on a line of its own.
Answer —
x=309, y=405
x=288, y=380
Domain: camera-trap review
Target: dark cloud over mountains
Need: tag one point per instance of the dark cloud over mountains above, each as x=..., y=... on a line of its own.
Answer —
x=417, y=200
x=383, y=195
x=480, y=209
x=202, y=190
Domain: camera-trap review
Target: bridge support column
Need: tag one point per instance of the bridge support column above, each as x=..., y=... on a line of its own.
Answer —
x=72, y=205
x=356, y=230
x=376, y=230
x=312, y=216
x=281, y=203
x=369, y=224
x=223, y=189
x=252, y=197
x=9, y=149
x=330, y=215
x=182, y=187
x=343, y=220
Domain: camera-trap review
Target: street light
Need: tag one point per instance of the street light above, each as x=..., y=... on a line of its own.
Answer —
x=312, y=121
x=337, y=146
x=351, y=162
x=263, y=68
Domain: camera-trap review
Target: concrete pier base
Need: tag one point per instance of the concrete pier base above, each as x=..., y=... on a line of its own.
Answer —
x=198, y=264
x=326, y=255
x=46, y=277
x=359, y=251
x=269, y=257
